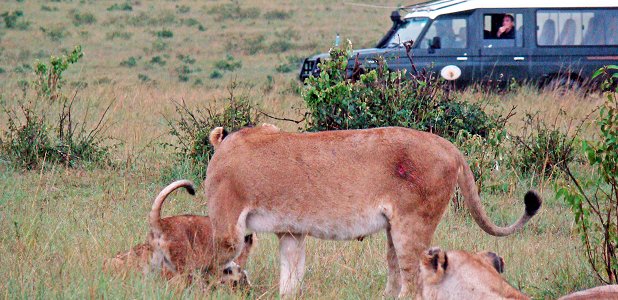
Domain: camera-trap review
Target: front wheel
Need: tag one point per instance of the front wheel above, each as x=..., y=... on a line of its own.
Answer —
x=563, y=84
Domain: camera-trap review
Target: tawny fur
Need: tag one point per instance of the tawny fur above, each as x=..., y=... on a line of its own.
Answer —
x=340, y=185
x=180, y=244
x=477, y=276
x=461, y=275
x=606, y=292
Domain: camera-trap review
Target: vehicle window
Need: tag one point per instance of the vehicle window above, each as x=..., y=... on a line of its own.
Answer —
x=577, y=27
x=503, y=30
x=452, y=31
x=408, y=31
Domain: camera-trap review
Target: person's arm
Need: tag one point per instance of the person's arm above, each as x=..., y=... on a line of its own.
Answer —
x=501, y=30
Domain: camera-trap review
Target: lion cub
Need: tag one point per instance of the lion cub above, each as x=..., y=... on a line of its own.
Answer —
x=180, y=244
x=463, y=275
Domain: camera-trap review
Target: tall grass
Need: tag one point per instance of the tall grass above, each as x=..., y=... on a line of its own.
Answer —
x=57, y=225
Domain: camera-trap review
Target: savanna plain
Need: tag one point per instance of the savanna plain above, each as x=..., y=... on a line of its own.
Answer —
x=141, y=58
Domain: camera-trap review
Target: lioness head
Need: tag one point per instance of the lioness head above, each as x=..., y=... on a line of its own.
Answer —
x=463, y=275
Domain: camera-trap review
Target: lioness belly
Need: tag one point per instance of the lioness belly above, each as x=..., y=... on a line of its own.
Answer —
x=323, y=226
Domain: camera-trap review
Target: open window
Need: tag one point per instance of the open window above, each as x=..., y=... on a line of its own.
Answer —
x=503, y=30
x=447, y=32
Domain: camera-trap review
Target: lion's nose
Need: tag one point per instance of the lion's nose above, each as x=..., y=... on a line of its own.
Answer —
x=228, y=271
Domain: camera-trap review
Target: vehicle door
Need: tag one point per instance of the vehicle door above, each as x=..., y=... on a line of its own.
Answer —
x=504, y=52
x=448, y=42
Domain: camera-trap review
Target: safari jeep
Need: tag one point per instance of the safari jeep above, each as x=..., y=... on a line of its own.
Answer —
x=545, y=41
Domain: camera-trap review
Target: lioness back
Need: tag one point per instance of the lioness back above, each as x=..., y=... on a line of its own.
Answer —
x=353, y=175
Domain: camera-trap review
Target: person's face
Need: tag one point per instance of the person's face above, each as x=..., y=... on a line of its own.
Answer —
x=506, y=22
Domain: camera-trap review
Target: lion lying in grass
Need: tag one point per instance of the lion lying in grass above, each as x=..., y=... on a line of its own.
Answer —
x=462, y=275
x=178, y=245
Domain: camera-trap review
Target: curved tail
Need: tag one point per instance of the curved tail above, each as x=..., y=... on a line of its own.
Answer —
x=154, y=218
x=466, y=183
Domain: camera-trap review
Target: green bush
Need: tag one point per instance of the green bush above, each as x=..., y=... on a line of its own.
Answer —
x=122, y=7
x=280, y=45
x=382, y=97
x=13, y=20
x=82, y=18
x=187, y=59
x=185, y=71
x=119, y=35
x=34, y=135
x=228, y=64
x=49, y=77
x=593, y=198
x=233, y=11
x=55, y=34
x=183, y=9
x=215, y=74
x=157, y=60
x=48, y=8
x=191, y=128
x=24, y=68
x=143, y=78
x=159, y=45
x=254, y=44
x=129, y=62
x=164, y=33
x=26, y=141
x=542, y=148
x=278, y=15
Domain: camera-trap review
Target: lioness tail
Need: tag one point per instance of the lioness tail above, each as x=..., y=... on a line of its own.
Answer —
x=466, y=183
x=154, y=218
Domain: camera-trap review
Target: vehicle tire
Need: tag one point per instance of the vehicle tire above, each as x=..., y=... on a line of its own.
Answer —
x=563, y=84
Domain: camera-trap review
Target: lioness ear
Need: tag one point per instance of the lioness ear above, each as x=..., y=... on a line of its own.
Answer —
x=270, y=127
x=435, y=261
x=216, y=136
x=494, y=260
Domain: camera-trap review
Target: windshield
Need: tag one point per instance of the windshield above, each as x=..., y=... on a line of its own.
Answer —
x=407, y=31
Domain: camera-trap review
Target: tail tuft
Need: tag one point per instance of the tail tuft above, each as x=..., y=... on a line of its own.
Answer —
x=533, y=202
x=190, y=189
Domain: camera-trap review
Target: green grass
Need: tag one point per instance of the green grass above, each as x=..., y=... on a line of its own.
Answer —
x=58, y=225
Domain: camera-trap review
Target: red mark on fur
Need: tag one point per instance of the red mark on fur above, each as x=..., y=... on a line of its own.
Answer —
x=405, y=170
x=401, y=170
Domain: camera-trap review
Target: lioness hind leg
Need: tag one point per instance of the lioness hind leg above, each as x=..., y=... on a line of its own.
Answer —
x=410, y=237
x=292, y=257
x=393, y=283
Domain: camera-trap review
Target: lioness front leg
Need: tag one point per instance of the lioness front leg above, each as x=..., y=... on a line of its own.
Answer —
x=393, y=283
x=292, y=258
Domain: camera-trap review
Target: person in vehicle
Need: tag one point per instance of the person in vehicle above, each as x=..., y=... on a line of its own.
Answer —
x=567, y=37
x=596, y=31
x=612, y=28
x=548, y=33
x=507, y=31
x=445, y=31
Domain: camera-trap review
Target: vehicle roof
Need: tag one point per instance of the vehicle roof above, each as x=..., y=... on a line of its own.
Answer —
x=436, y=8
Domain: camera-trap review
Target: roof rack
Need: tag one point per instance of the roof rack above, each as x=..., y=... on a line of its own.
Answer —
x=431, y=5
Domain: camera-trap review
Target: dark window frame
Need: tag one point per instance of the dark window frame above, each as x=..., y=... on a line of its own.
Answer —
x=465, y=15
x=582, y=10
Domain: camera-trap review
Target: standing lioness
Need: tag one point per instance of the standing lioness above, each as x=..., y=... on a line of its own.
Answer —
x=339, y=185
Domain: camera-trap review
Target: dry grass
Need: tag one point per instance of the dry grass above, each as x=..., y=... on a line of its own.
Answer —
x=58, y=225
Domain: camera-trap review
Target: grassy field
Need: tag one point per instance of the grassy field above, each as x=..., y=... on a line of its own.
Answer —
x=57, y=225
